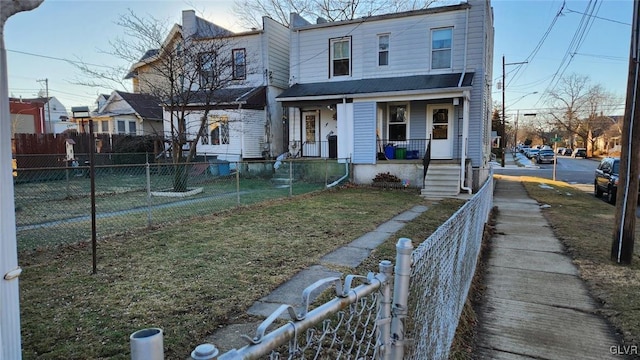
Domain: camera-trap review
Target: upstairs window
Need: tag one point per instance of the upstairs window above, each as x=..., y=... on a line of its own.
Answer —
x=383, y=50
x=207, y=67
x=239, y=64
x=132, y=128
x=341, y=57
x=441, y=40
x=121, y=127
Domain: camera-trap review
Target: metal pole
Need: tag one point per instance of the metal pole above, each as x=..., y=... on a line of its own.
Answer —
x=238, y=182
x=148, y=174
x=384, y=314
x=400, y=297
x=92, y=175
x=502, y=135
x=290, y=178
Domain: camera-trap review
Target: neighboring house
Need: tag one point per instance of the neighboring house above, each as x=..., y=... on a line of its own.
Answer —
x=376, y=89
x=38, y=116
x=244, y=121
x=127, y=113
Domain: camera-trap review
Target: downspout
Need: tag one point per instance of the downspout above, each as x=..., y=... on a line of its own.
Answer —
x=346, y=163
x=465, y=136
x=346, y=175
x=464, y=56
x=465, y=112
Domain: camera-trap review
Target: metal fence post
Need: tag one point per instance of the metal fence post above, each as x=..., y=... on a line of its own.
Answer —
x=400, y=297
x=290, y=178
x=384, y=313
x=238, y=182
x=148, y=174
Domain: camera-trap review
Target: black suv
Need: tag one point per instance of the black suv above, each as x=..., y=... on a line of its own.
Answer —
x=606, y=179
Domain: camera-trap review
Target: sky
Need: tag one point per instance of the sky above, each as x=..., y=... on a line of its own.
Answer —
x=555, y=38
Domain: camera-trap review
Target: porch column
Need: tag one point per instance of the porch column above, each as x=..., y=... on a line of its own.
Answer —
x=465, y=141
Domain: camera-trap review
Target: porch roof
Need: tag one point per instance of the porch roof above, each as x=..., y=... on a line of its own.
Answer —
x=375, y=85
x=248, y=97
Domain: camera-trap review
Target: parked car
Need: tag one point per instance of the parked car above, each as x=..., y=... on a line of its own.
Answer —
x=579, y=152
x=567, y=152
x=545, y=156
x=606, y=179
x=531, y=154
x=560, y=150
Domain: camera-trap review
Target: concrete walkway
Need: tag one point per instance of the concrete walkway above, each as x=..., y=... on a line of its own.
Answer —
x=536, y=306
x=290, y=292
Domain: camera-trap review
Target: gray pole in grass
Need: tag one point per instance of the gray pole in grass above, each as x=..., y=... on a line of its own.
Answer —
x=10, y=347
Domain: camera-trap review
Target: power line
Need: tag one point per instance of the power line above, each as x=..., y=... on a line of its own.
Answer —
x=78, y=63
x=598, y=17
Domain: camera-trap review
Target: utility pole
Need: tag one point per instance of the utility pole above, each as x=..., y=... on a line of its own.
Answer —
x=46, y=89
x=503, y=137
x=626, y=199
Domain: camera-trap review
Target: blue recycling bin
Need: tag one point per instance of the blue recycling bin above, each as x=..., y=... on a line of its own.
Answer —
x=390, y=151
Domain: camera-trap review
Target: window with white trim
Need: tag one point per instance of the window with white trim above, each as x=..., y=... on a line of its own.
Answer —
x=121, y=127
x=207, y=66
x=219, y=129
x=239, y=64
x=383, y=50
x=104, y=124
x=397, y=125
x=340, y=56
x=441, y=44
x=133, y=128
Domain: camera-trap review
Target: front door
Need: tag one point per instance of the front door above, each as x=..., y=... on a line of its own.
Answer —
x=310, y=134
x=440, y=130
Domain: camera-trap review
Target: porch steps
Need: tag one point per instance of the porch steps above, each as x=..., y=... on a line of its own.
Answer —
x=441, y=181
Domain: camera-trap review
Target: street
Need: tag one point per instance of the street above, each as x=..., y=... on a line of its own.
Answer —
x=576, y=171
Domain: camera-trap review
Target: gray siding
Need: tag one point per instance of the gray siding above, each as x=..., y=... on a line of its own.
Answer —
x=277, y=38
x=409, y=35
x=364, y=136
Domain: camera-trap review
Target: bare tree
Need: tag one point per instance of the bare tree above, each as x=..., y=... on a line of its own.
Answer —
x=578, y=107
x=184, y=71
x=249, y=12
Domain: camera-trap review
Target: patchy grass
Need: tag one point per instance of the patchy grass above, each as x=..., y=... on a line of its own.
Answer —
x=194, y=276
x=585, y=225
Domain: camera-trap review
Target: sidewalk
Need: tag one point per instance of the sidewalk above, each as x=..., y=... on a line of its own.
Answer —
x=535, y=305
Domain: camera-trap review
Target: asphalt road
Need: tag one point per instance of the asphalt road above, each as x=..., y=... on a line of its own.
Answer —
x=579, y=172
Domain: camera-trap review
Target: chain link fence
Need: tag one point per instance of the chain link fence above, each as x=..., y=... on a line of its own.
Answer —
x=53, y=203
x=412, y=316
x=441, y=274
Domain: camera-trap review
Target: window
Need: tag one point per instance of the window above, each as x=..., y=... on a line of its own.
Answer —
x=104, y=126
x=121, y=127
x=239, y=64
x=383, y=50
x=219, y=129
x=132, y=128
x=310, y=129
x=398, y=122
x=208, y=64
x=341, y=57
x=441, y=40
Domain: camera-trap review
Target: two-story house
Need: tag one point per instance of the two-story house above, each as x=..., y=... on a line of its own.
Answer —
x=377, y=90
x=243, y=119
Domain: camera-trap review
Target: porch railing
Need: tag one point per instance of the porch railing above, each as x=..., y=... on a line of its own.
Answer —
x=386, y=149
x=401, y=149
